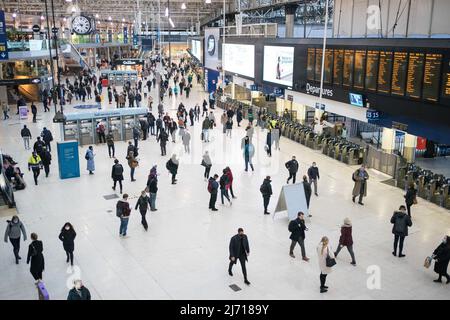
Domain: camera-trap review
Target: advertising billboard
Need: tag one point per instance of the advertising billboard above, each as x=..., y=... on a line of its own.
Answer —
x=239, y=59
x=211, y=46
x=278, y=65
x=196, y=49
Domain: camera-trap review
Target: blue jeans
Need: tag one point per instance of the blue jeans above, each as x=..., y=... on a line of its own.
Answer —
x=152, y=201
x=123, y=226
x=224, y=193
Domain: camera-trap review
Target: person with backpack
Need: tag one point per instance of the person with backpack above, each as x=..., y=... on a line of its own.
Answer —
x=292, y=166
x=230, y=181
x=266, y=191
x=152, y=187
x=35, y=258
x=13, y=230
x=206, y=162
x=38, y=146
x=162, y=139
x=132, y=163
x=297, y=229
x=172, y=166
x=360, y=177
x=401, y=222
x=123, y=212
x=223, y=182
x=47, y=137
x=213, y=188
x=89, y=156
x=117, y=174
x=25, y=133
x=67, y=236
x=132, y=148
x=143, y=205
x=110, y=144
x=46, y=158
x=35, y=164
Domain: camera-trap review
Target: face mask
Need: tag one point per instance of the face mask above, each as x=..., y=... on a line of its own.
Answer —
x=15, y=220
x=67, y=228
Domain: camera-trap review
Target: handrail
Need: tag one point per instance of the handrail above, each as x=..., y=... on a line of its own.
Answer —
x=6, y=189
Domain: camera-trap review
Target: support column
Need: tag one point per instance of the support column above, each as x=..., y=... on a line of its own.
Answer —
x=289, y=11
x=409, y=151
x=388, y=140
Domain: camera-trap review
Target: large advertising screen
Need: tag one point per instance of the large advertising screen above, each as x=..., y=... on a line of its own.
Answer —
x=196, y=49
x=278, y=65
x=211, y=46
x=239, y=59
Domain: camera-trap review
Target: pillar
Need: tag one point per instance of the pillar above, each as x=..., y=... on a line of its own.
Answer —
x=3, y=95
x=289, y=11
x=388, y=140
x=409, y=151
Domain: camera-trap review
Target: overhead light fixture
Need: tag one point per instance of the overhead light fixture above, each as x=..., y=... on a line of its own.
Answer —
x=68, y=0
x=123, y=19
x=171, y=22
x=74, y=9
x=208, y=1
x=14, y=15
x=64, y=19
x=109, y=18
x=167, y=12
x=96, y=15
x=98, y=22
x=183, y=6
x=42, y=18
x=111, y=23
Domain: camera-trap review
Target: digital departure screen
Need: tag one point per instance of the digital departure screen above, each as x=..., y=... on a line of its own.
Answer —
x=349, y=57
x=337, y=66
x=327, y=72
x=372, y=70
x=415, y=75
x=446, y=86
x=318, y=64
x=310, y=64
x=432, y=72
x=384, y=72
x=399, y=69
x=360, y=64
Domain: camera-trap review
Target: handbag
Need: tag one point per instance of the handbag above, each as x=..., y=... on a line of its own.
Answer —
x=329, y=261
x=427, y=262
x=203, y=163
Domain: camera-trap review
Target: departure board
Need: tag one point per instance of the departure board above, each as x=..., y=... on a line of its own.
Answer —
x=337, y=66
x=349, y=56
x=384, y=72
x=327, y=72
x=360, y=64
x=431, y=76
x=446, y=86
x=311, y=64
x=399, y=69
x=318, y=63
x=415, y=75
x=372, y=70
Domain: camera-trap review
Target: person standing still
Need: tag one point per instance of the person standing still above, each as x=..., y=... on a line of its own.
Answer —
x=266, y=191
x=360, y=177
x=239, y=250
x=110, y=144
x=123, y=212
x=132, y=163
x=67, y=236
x=401, y=222
x=143, y=205
x=13, y=230
x=324, y=253
x=297, y=228
x=26, y=136
x=152, y=186
x=89, y=156
x=213, y=188
x=346, y=240
x=292, y=166
x=34, y=111
x=313, y=175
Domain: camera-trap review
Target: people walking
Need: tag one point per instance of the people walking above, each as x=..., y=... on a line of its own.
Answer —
x=266, y=191
x=186, y=138
x=441, y=255
x=35, y=164
x=308, y=191
x=297, y=228
x=110, y=144
x=223, y=182
x=229, y=127
x=152, y=186
x=47, y=137
x=223, y=121
x=239, y=250
x=276, y=136
x=292, y=166
x=162, y=139
x=136, y=135
x=213, y=188
x=205, y=129
x=35, y=258
x=269, y=143
x=346, y=240
x=46, y=158
x=26, y=136
x=143, y=204
x=401, y=222
x=249, y=152
x=360, y=177
x=172, y=166
x=13, y=230
x=326, y=262
x=67, y=236
x=410, y=197
x=5, y=110
x=79, y=292
x=33, y=112
x=123, y=211
x=117, y=174
x=313, y=175
x=89, y=156
x=230, y=181
x=206, y=162
x=38, y=146
x=132, y=163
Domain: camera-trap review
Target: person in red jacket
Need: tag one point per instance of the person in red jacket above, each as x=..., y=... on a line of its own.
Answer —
x=230, y=181
x=346, y=240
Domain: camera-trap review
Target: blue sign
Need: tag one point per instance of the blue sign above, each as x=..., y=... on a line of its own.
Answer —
x=373, y=115
x=320, y=106
x=135, y=40
x=125, y=34
x=68, y=159
x=109, y=35
x=3, y=42
x=356, y=99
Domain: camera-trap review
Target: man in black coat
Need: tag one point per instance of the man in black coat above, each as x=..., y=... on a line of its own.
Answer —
x=442, y=257
x=401, y=222
x=308, y=191
x=34, y=111
x=266, y=191
x=239, y=249
x=117, y=174
x=213, y=188
x=38, y=146
x=162, y=139
x=46, y=159
x=292, y=167
x=313, y=174
x=297, y=228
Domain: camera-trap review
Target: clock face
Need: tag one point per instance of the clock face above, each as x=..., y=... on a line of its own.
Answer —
x=81, y=25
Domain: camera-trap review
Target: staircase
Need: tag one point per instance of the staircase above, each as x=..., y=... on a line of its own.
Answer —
x=72, y=57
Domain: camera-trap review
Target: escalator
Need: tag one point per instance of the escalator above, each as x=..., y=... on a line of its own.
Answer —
x=6, y=189
x=72, y=57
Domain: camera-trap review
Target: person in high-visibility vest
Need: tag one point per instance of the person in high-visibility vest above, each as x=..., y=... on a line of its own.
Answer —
x=35, y=164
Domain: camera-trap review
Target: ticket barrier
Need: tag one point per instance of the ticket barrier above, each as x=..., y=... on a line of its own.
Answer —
x=115, y=127
x=87, y=132
x=446, y=195
x=297, y=131
x=129, y=123
x=303, y=135
x=400, y=178
x=317, y=142
x=309, y=141
x=71, y=130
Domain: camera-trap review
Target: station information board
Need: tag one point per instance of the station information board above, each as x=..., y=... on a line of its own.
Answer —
x=372, y=70
x=431, y=77
x=446, y=86
x=337, y=66
x=384, y=72
x=310, y=64
x=399, y=68
x=360, y=65
x=349, y=57
x=327, y=72
x=415, y=75
x=318, y=64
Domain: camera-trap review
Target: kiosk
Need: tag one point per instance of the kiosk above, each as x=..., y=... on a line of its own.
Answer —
x=119, y=77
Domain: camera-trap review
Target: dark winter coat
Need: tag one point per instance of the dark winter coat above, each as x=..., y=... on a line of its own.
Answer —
x=292, y=166
x=266, y=188
x=82, y=294
x=224, y=180
x=442, y=254
x=308, y=191
x=410, y=196
x=142, y=203
x=235, y=247
x=346, y=238
x=36, y=257
x=68, y=239
x=46, y=158
x=152, y=184
x=313, y=173
x=297, y=228
x=401, y=222
x=117, y=172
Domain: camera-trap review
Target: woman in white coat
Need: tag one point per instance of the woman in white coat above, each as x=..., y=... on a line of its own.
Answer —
x=323, y=251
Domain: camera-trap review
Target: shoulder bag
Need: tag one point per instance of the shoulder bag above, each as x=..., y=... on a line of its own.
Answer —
x=330, y=262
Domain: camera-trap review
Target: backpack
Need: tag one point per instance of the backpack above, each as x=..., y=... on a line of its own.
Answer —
x=291, y=226
x=119, y=209
x=168, y=165
x=263, y=188
x=210, y=186
x=118, y=170
x=86, y=156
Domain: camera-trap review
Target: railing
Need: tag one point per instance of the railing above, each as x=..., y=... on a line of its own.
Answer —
x=6, y=189
x=385, y=162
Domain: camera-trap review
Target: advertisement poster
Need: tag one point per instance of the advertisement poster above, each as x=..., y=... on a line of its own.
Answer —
x=239, y=59
x=23, y=112
x=279, y=65
x=196, y=49
x=3, y=45
x=211, y=46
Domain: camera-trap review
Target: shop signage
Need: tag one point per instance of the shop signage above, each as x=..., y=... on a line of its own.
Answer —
x=3, y=43
x=23, y=112
x=130, y=62
x=310, y=89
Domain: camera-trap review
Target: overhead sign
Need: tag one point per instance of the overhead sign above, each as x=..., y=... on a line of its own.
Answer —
x=372, y=114
x=36, y=28
x=11, y=82
x=55, y=30
x=311, y=89
x=3, y=44
x=130, y=62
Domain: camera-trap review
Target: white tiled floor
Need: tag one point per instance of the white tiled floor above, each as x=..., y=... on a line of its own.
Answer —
x=184, y=255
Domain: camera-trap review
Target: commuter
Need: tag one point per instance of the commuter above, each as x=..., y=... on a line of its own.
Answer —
x=346, y=240
x=162, y=139
x=401, y=221
x=110, y=95
x=186, y=138
x=132, y=148
x=136, y=135
x=143, y=205
x=151, y=123
x=249, y=152
x=79, y=292
x=38, y=146
x=276, y=136
x=89, y=156
x=360, y=177
x=191, y=116
x=249, y=130
x=269, y=143
x=213, y=188
x=205, y=129
x=36, y=258
x=152, y=186
x=206, y=162
x=172, y=166
x=250, y=116
x=223, y=121
x=173, y=129
x=117, y=174
x=33, y=111
x=13, y=230
x=410, y=197
x=223, y=182
x=229, y=126
x=239, y=116
x=110, y=144
x=205, y=108
x=230, y=181
x=266, y=191
x=47, y=137
x=442, y=257
x=308, y=191
x=326, y=262
x=297, y=228
x=292, y=166
x=239, y=250
x=35, y=164
x=67, y=236
x=144, y=128
x=46, y=159
x=26, y=136
x=160, y=109
x=5, y=110
x=212, y=120
x=159, y=126
x=132, y=163
x=123, y=212
x=313, y=174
